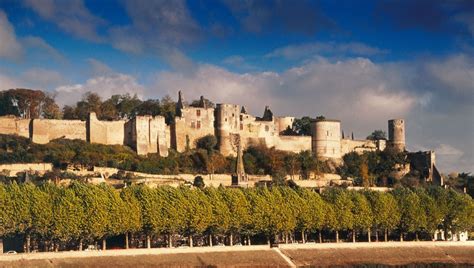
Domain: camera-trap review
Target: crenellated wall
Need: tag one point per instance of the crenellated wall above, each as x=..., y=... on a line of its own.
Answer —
x=45, y=130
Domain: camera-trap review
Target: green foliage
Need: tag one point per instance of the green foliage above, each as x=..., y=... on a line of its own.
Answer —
x=369, y=167
x=377, y=135
x=93, y=212
x=208, y=143
x=302, y=126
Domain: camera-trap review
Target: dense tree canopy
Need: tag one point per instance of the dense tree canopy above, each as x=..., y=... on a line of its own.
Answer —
x=84, y=213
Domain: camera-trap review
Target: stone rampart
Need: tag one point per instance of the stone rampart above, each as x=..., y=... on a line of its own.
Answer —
x=10, y=125
x=13, y=169
x=45, y=130
x=105, y=132
x=294, y=144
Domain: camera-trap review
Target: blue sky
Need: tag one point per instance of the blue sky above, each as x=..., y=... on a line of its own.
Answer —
x=360, y=61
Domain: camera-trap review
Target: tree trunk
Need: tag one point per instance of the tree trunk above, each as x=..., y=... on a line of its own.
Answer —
x=376, y=235
x=126, y=240
x=231, y=239
x=249, y=242
x=268, y=240
x=416, y=236
x=170, y=240
x=386, y=235
x=56, y=247
x=286, y=238
x=353, y=236
x=104, y=244
x=27, y=243
x=148, y=241
x=190, y=241
x=320, y=237
x=81, y=242
x=337, y=236
x=210, y=240
x=401, y=237
x=302, y=236
x=369, y=239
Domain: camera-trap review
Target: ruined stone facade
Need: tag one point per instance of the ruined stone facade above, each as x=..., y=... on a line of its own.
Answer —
x=230, y=123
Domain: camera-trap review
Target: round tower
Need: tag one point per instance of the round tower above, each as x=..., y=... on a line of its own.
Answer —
x=396, y=135
x=326, y=138
x=227, y=116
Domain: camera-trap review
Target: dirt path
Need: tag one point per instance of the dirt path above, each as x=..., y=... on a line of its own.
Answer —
x=391, y=253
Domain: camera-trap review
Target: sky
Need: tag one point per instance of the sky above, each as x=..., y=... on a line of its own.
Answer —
x=362, y=62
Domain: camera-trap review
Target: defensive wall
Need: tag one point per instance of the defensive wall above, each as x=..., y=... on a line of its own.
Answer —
x=11, y=125
x=45, y=130
x=12, y=169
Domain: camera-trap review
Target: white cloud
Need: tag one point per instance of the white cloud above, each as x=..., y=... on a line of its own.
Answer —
x=310, y=49
x=10, y=48
x=363, y=94
x=70, y=16
x=105, y=82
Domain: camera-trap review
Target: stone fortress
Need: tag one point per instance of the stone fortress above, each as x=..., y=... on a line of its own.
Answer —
x=230, y=123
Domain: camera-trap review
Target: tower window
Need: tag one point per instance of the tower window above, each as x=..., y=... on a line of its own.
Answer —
x=241, y=117
x=198, y=126
x=267, y=128
x=198, y=112
x=241, y=126
x=193, y=125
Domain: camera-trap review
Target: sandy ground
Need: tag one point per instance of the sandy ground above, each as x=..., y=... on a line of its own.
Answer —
x=459, y=254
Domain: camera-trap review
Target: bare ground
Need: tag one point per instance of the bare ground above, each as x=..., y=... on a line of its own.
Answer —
x=442, y=254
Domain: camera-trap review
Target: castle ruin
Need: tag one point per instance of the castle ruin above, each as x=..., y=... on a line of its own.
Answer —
x=233, y=127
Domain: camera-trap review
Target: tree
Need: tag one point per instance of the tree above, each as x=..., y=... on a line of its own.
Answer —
x=239, y=209
x=28, y=103
x=362, y=214
x=221, y=218
x=313, y=213
x=302, y=126
x=199, y=182
x=68, y=217
x=342, y=204
x=208, y=143
x=197, y=212
x=151, y=210
x=413, y=217
x=377, y=135
x=132, y=222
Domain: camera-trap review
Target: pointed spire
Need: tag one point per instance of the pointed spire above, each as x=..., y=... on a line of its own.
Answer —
x=239, y=168
x=267, y=114
x=352, y=135
x=243, y=110
x=179, y=104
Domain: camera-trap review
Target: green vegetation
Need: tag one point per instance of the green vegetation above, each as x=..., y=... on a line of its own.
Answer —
x=372, y=168
x=62, y=218
x=205, y=159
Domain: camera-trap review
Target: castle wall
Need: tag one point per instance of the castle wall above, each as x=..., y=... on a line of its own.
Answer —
x=193, y=124
x=361, y=146
x=293, y=144
x=149, y=135
x=45, y=130
x=10, y=125
x=105, y=132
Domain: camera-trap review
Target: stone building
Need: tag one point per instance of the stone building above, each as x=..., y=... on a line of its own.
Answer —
x=234, y=128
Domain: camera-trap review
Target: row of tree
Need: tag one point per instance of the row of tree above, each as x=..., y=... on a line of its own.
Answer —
x=67, y=217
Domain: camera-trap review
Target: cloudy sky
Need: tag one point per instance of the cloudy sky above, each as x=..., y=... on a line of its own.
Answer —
x=363, y=62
